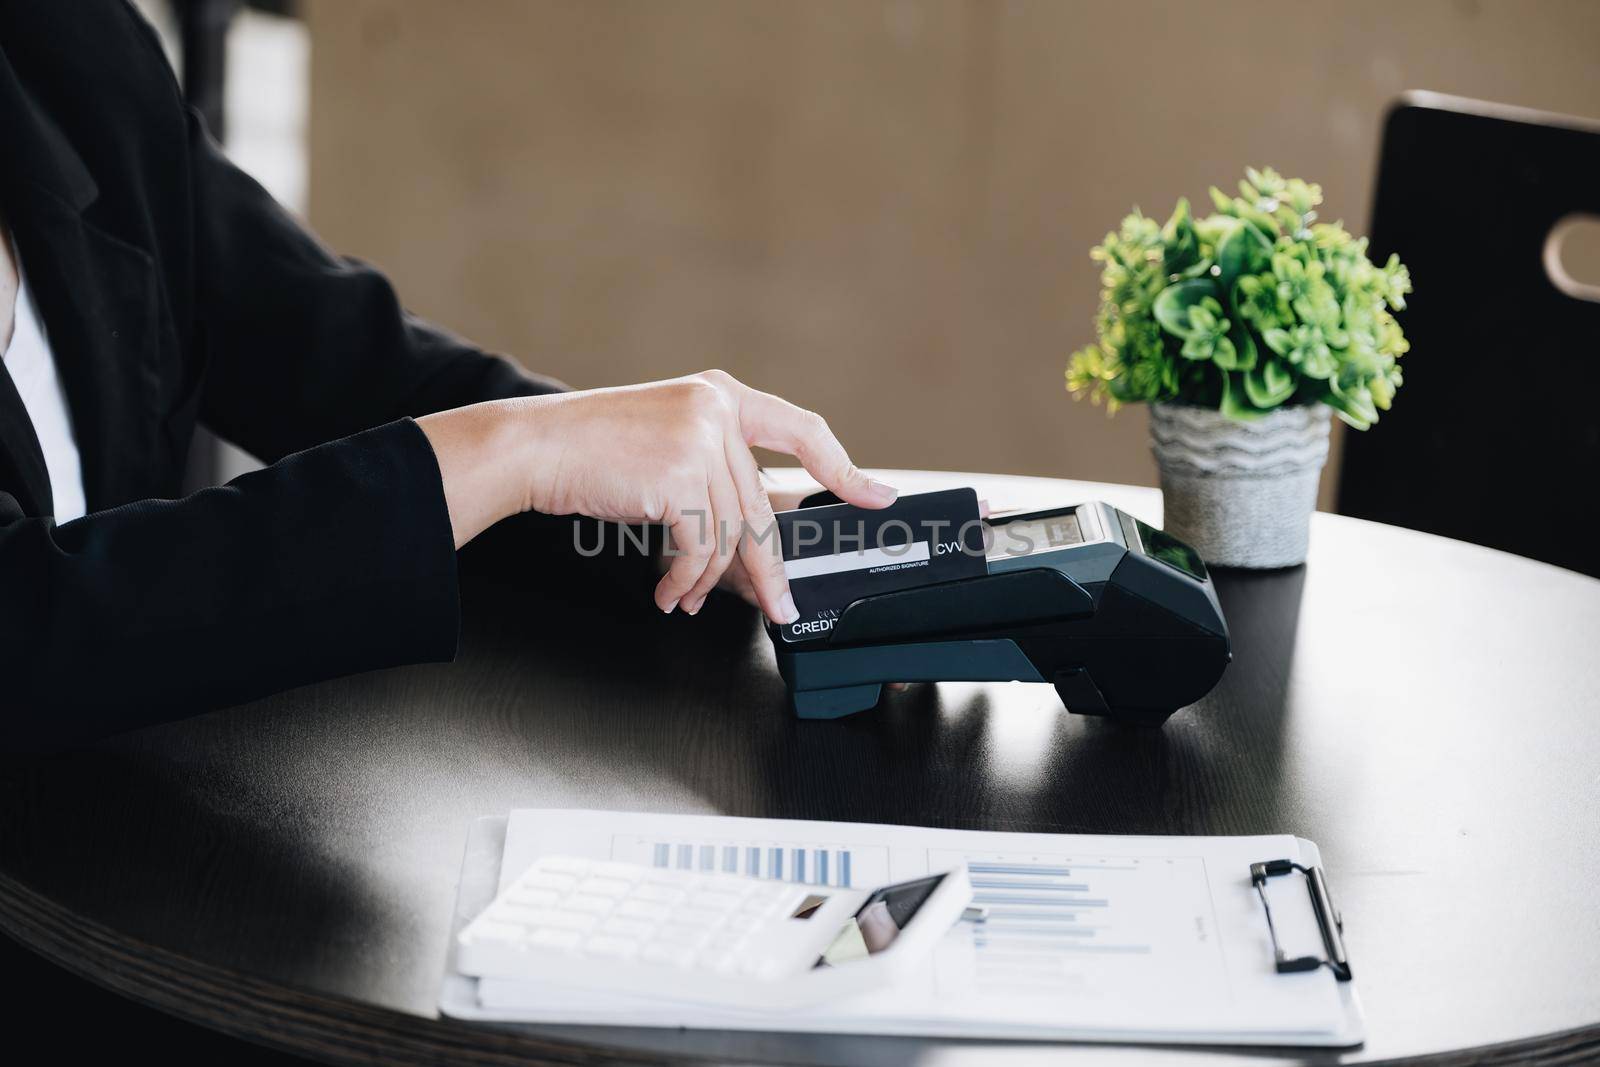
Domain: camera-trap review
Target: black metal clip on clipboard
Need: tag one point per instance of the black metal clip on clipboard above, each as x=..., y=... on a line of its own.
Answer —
x=1329, y=922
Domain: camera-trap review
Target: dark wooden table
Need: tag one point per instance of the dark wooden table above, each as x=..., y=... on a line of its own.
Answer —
x=1427, y=711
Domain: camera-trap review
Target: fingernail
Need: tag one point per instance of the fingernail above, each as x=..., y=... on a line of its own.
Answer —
x=883, y=489
x=694, y=608
x=668, y=609
x=787, y=612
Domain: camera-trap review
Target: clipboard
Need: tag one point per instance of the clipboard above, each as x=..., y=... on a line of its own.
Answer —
x=498, y=846
x=1330, y=924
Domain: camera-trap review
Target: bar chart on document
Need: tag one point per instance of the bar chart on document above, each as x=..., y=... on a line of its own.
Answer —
x=827, y=864
x=1052, y=924
x=1078, y=925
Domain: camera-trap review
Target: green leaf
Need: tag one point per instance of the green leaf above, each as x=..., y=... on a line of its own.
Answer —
x=1171, y=307
x=1269, y=384
x=1236, y=403
x=1224, y=354
x=1265, y=181
x=1182, y=242
x=1277, y=377
x=1279, y=341
x=1354, y=407
x=1243, y=250
x=1244, y=347
x=1267, y=223
x=1203, y=317
x=1382, y=390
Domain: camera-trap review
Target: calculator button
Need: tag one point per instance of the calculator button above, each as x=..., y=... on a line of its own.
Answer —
x=625, y=871
x=757, y=907
x=560, y=920
x=549, y=880
x=605, y=887
x=643, y=909
x=628, y=927
x=675, y=879
x=571, y=864
x=551, y=938
x=660, y=893
x=718, y=900
x=619, y=948
x=680, y=934
x=667, y=955
x=741, y=923
x=694, y=915
x=533, y=898
x=590, y=904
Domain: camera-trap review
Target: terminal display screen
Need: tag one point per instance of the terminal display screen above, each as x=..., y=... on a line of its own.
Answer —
x=1158, y=544
x=1036, y=535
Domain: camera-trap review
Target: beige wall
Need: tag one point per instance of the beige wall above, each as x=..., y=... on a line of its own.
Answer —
x=880, y=210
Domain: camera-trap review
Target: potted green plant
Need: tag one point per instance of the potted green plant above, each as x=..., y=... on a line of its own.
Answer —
x=1244, y=330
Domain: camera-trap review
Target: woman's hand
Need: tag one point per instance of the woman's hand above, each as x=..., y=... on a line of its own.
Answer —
x=675, y=452
x=735, y=580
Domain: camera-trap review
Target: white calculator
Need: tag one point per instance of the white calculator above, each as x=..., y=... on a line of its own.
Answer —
x=706, y=937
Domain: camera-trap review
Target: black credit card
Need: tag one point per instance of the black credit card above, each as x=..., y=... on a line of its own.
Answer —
x=839, y=553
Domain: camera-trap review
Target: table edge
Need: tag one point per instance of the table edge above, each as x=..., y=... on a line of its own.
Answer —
x=337, y=1029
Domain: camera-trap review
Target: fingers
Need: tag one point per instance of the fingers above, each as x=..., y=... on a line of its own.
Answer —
x=787, y=499
x=726, y=528
x=737, y=582
x=734, y=516
x=694, y=544
x=768, y=421
x=758, y=549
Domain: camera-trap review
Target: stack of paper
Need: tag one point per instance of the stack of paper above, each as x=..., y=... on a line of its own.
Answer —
x=1086, y=937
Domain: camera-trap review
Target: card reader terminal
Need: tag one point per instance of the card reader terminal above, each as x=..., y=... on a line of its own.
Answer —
x=1120, y=617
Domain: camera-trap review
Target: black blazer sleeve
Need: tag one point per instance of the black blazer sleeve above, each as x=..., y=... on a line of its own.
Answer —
x=302, y=345
x=338, y=557
x=305, y=346
x=334, y=560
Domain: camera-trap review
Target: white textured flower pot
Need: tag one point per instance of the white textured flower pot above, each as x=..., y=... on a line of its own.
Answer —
x=1240, y=493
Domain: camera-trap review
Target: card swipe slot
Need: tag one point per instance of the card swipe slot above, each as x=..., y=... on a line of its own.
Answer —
x=972, y=604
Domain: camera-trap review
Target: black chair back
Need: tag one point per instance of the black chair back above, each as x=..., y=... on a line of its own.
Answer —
x=1495, y=435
